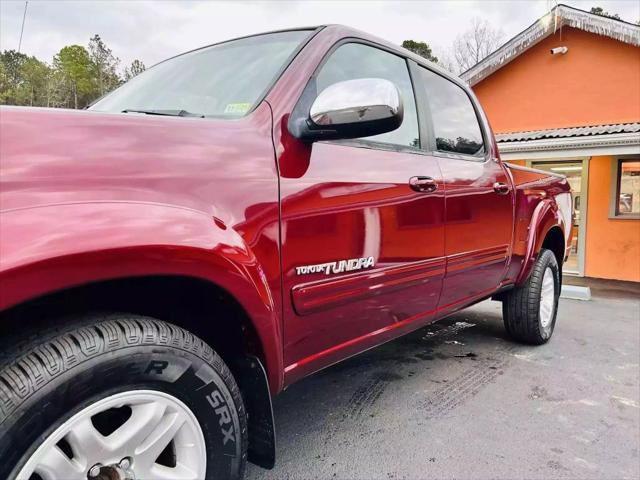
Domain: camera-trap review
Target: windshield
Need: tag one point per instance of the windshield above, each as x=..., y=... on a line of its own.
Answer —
x=224, y=80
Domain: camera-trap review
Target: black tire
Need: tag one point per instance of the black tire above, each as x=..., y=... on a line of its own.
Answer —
x=47, y=378
x=521, y=306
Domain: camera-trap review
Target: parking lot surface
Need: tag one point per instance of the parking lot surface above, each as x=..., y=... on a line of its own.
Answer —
x=458, y=399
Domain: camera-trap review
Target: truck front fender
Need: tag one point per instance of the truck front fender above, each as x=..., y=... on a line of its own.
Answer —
x=50, y=248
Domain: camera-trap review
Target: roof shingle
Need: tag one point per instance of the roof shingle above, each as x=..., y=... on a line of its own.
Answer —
x=568, y=132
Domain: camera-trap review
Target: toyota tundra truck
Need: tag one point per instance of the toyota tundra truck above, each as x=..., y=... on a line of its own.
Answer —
x=237, y=218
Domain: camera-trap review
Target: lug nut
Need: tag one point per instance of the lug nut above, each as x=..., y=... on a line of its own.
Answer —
x=95, y=470
x=125, y=463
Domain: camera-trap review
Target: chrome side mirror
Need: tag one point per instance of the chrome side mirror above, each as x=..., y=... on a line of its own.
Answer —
x=351, y=109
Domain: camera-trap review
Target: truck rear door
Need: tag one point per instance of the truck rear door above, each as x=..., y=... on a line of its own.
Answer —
x=478, y=194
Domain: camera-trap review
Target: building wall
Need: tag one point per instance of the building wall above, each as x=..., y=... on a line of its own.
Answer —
x=612, y=248
x=612, y=245
x=595, y=83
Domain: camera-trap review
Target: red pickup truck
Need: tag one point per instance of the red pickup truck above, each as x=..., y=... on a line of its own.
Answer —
x=232, y=220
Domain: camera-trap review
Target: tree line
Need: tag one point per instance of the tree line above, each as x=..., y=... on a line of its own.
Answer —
x=468, y=48
x=76, y=76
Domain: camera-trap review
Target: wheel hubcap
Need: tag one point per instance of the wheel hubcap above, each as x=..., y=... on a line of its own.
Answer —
x=547, y=298
x=137, y=435
x=122, y=471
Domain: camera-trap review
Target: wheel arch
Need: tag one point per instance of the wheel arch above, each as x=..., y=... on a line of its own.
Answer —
x=171, y=263
x=47, y=250
x=554, y=241
x=201, y=307
x=545, y=231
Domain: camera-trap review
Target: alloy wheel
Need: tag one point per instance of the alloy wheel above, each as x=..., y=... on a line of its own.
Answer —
x=547, y=298
x=141, y=435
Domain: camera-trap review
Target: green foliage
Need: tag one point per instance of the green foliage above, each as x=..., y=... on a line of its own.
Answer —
x=420, y=48
x=77, y=72
x=35, y=75
x=5, y=83
x=103, y=64
x=23, y=79
x=11, y=62
x=134, y=69
x=76, y=77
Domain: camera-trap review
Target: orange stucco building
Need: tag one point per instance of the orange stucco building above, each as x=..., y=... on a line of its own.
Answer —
x=575, y=112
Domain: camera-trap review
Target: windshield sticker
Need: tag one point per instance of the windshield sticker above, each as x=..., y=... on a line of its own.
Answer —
x=237, y=108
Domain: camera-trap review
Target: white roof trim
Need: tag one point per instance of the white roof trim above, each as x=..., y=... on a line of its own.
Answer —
x=612, y=144
x=561, y=15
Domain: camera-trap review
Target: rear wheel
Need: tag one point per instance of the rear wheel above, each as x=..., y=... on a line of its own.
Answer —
x=119, y=397
x=530, y=311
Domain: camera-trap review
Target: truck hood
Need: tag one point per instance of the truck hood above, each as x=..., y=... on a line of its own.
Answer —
x=55, y=156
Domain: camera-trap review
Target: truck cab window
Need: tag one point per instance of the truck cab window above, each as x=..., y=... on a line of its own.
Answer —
x=355, y=60
x=455, y=122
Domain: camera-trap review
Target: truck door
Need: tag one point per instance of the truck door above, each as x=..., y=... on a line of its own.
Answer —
x=362, y=228
x=478, y=194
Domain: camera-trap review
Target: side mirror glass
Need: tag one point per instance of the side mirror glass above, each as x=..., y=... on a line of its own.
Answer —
x=352, y=109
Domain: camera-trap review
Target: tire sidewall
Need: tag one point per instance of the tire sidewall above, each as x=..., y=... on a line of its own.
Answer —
x=548, y=261
x=182, y=374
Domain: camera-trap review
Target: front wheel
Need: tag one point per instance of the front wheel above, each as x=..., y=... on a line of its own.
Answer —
x=530, y=311
x=118, y=398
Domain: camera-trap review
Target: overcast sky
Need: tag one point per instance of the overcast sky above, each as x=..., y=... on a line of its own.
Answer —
x=154, y=30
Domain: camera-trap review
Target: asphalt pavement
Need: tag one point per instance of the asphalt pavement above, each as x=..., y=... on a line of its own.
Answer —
x=458, y=399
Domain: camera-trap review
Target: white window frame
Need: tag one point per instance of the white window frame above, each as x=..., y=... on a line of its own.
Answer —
x=614, y=189
x=584, y=206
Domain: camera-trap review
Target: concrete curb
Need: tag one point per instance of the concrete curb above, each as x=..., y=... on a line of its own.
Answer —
x=575, y=292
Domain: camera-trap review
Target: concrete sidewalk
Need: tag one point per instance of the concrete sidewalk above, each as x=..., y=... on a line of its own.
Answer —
x=459, y=400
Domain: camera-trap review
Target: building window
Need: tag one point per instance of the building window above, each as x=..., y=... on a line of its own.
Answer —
x=626, y=199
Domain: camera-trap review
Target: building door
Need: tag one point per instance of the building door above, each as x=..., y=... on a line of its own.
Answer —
x=575, y=171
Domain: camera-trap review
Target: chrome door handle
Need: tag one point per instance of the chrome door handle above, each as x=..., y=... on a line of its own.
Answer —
x=501, y=188
x=423, y=184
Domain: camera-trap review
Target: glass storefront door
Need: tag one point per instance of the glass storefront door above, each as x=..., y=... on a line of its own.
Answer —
x=573, y=170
